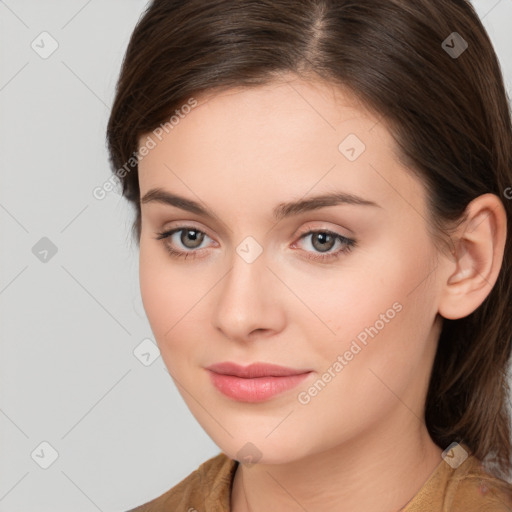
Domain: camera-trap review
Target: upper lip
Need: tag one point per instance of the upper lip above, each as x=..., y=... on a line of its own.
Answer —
x=254, y=370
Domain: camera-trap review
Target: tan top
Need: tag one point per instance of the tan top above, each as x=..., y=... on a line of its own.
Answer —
x=461, y=488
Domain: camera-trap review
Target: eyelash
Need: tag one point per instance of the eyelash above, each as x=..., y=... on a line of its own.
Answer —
x=349, y=244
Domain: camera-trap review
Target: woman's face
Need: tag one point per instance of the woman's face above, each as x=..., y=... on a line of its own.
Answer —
x=251, y=285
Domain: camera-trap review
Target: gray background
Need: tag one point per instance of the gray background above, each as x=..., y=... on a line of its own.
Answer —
x=72, y=319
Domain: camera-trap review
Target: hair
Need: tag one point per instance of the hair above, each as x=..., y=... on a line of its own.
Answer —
x=449, y=115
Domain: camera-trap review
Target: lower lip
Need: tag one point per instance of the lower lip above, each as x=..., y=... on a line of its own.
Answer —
x=254, y=390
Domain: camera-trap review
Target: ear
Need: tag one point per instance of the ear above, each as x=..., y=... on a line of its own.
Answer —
x=479, y=245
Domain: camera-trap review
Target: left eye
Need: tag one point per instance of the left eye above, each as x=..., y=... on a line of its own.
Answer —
x=322, y=241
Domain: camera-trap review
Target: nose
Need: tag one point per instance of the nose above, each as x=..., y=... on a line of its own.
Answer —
x=248, y=300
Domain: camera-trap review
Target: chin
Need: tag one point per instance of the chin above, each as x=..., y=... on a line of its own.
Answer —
x=255, y=451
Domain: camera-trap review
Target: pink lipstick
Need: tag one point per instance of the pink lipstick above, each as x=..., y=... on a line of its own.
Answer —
x=254, y=383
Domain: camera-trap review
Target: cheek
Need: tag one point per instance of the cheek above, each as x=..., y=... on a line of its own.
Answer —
x=168, y=292
x=341, y=303
x=378, y=309
x=392, y=323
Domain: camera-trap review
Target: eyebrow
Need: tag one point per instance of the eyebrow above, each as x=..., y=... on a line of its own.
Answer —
x=281, y=211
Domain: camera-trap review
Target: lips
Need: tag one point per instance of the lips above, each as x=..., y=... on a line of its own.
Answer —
x=254, y=383
x=255, y=370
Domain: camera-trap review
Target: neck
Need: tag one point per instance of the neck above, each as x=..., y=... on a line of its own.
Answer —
x=356, y=476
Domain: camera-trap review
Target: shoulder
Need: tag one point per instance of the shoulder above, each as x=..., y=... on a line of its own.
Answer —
x=460, y=483
x=472, y=488
x=206, y=488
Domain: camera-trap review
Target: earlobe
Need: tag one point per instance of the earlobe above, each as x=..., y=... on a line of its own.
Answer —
x=478, y=257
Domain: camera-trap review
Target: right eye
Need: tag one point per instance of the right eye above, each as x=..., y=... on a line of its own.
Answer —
x=190, y=238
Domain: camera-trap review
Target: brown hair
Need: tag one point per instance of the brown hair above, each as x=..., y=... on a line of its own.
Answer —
x=449, y=115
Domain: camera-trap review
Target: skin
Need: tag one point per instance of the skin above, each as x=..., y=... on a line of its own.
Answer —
x=241, y=153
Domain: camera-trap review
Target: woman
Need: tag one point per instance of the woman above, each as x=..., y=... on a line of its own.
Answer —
x=322, y=198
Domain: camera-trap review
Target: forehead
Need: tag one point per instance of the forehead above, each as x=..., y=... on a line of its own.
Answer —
x=265, y=121
x=290, y=92
x=281, y=139
x=293, y=106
